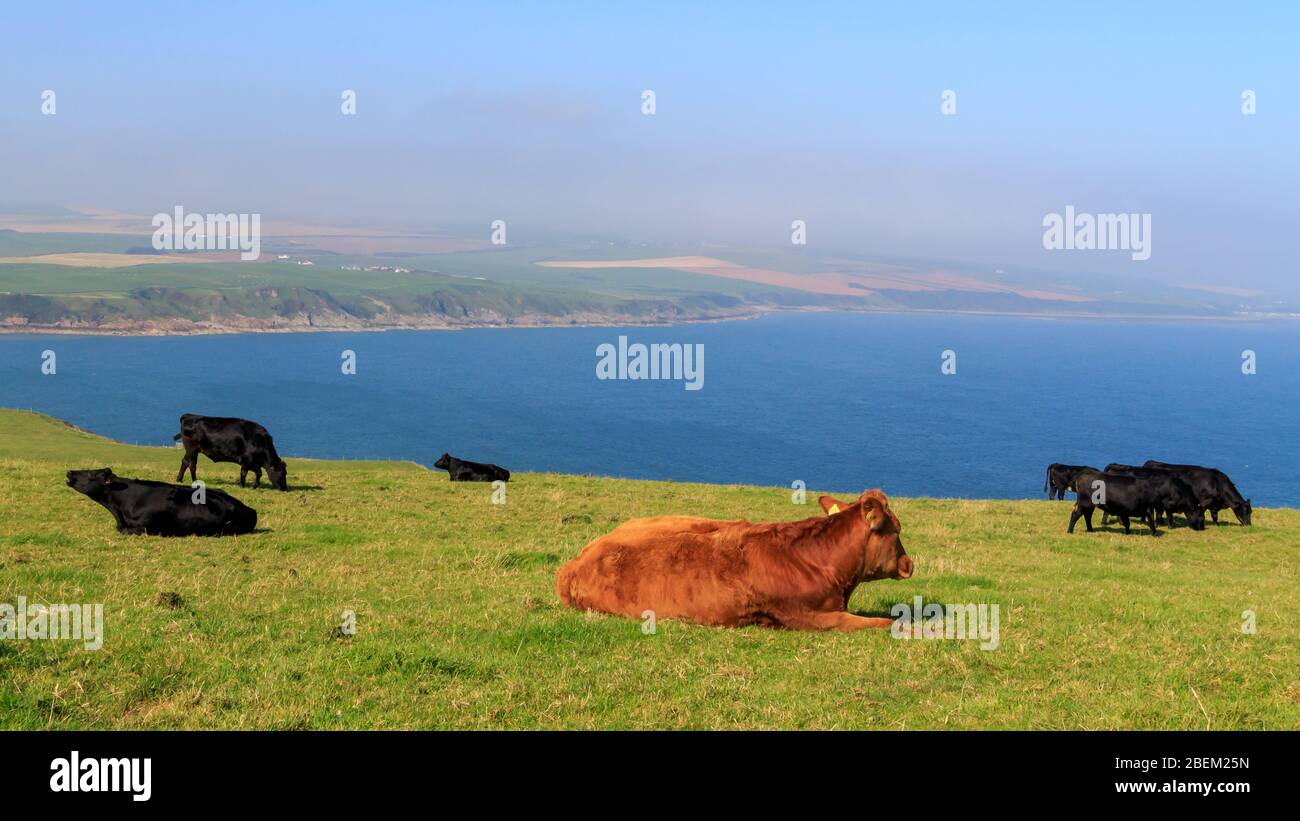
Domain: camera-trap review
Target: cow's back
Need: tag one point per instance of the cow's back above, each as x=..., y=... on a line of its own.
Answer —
x=226, y=438
x=170, y=510
x=675, y=566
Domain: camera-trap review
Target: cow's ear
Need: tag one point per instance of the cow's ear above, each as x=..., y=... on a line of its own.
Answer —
x=875, y=509
x=831, y=505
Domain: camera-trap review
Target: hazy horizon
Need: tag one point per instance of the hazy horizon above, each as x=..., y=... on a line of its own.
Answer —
x=829, y=114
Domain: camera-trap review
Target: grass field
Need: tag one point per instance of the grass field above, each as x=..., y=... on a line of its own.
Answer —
x=458, y=624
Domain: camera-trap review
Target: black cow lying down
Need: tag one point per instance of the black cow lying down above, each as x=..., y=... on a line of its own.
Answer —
x=223, y=439
x=462, y=471
x=1137, y=497
x=160, y=509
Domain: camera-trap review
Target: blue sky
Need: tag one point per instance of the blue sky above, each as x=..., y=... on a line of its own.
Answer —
x=766, y=112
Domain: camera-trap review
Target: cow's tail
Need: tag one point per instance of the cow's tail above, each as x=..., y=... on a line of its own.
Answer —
x=177, y=437
x=1047, y=480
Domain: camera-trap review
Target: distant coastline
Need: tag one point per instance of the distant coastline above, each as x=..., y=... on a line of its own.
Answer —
x=56, y=283
x=310, y=324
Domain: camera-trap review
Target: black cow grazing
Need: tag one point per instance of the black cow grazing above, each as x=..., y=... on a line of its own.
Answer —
x=461, y=471
x=1163, y=514
x=1060, y=478
x=223, y=439
x=1135, y=497
x=1213, y=487
x=160, y=509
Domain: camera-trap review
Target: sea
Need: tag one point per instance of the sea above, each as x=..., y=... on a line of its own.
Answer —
x=917, y=404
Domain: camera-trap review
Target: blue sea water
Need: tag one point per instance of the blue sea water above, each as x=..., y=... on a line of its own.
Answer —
x=838, y=401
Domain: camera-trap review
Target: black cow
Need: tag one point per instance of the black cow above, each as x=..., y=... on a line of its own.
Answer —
x=1163, y=514
x=461, y=471
x=1134, y=497
x=1213, y=487
x=160, y=509
x=223, y=439
x=1060, y=478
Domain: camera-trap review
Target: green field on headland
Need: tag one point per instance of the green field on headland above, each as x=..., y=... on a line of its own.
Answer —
x=458, y=624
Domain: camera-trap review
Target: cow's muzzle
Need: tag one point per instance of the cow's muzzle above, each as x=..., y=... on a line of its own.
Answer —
x=904, y=568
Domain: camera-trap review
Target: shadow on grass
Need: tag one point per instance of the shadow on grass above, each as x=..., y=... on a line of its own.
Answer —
x=872, y=614
x=292, y=488
x=1118, y=528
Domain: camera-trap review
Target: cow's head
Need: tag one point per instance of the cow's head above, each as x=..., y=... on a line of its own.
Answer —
x=1242, y=509
x=278, y=473
x=93, y=483
x=885, y=556
x=444, y=462
x=1195, y=517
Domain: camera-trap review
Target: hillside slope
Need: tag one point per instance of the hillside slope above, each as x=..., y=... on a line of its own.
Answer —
x=458, y=624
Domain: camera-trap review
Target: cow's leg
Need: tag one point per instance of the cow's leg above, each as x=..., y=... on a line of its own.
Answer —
x=243, y=472
x=190, y=460
x=1124, y=521
x=1074, y=517
x=1087, y=518
x=257, y=477
x=838, y=620
x=129, y=528
x=1151, y=521
x=1214, y=515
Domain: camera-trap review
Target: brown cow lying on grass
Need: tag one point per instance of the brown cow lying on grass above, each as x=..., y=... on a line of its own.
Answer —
x=796, y=575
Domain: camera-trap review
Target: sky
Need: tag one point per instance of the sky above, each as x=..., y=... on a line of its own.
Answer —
x=765, y=113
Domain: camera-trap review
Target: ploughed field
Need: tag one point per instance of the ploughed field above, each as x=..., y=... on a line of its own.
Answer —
x=458, y=624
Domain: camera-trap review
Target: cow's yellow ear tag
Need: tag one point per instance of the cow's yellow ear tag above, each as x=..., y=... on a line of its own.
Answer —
x=834, y=509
